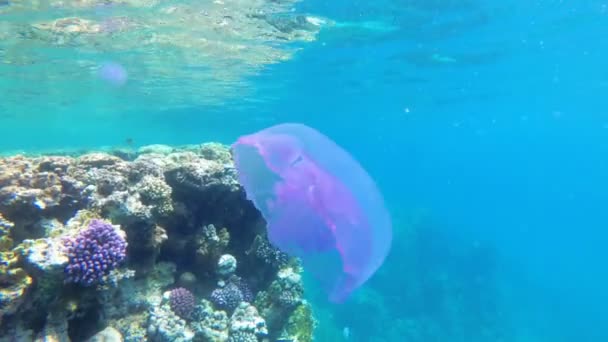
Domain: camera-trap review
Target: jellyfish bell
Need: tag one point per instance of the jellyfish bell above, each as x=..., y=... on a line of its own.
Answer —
x=113, y=73
x=318, y=202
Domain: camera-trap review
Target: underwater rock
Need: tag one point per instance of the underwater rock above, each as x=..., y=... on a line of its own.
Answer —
x=108, y=334
x=289, y=24
x=55, y=329
x=70, y=25
x=187, y=280
x=19, y=333
x=155, y=149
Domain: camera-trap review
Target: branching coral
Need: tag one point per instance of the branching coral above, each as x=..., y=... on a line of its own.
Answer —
x=94, y=252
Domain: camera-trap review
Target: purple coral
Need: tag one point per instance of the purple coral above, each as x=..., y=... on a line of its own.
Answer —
x=182, y=302
x=93, y=253
x=227, y=297
x=232, y=294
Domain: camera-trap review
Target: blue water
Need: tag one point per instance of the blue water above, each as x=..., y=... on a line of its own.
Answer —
x=484, y=123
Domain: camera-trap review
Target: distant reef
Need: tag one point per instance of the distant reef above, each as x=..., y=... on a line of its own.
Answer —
x=154, y=244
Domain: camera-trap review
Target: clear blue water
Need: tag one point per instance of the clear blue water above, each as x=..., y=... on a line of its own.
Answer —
x=484, y=123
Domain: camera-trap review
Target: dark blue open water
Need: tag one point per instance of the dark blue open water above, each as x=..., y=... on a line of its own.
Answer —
x=485, y=124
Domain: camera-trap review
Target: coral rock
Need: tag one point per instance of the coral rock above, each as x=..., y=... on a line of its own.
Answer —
x=55, y=329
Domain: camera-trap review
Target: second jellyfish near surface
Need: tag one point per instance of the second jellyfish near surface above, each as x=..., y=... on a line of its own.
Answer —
x=319, y=204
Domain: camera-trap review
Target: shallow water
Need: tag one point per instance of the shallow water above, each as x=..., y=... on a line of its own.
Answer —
x=484, y=124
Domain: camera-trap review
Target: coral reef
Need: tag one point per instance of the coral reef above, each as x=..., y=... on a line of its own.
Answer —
x=159, y=246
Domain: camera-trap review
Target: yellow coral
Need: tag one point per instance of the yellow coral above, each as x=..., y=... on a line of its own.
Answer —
x=6, y=243
x=15, y=283
x=301, y=324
